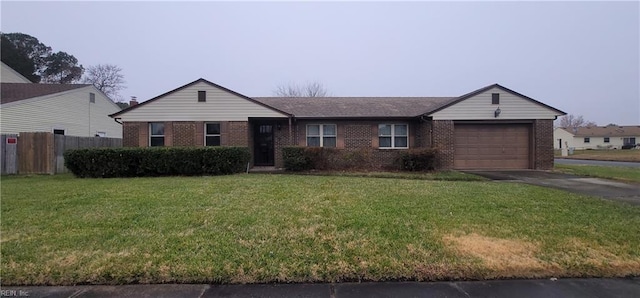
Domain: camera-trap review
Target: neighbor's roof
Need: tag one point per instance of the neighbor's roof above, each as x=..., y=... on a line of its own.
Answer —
x=355, y=107
x=11, y=92
x=605, y=131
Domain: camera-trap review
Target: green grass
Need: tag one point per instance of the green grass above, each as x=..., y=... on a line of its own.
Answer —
x=603, y=154
x=627, y=174
x=59, y=230
x=438, y=176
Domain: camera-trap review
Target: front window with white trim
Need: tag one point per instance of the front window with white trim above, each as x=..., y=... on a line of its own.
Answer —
x=156, y=134
x=393, y=136
x=212, y=134
x=321, y=135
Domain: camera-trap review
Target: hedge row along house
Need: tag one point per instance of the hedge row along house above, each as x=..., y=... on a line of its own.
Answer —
x=490, y=128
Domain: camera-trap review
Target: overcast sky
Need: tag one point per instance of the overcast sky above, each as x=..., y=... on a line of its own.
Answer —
x=580, y=57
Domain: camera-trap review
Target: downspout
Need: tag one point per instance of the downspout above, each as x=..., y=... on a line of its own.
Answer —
x=116, y=120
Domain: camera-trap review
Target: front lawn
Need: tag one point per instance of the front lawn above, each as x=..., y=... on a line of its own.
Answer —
x=627, y=174
x=293, y=228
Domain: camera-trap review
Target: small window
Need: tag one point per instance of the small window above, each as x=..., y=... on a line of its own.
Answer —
x=587, y=140
x=212, y=134
x=202, y=96
x=495, y=98
x=92, y=97
x=606, y=140
x=321, y=135
x=393, y=136
x=58, y=132
x=101, y=134
x=156, y=134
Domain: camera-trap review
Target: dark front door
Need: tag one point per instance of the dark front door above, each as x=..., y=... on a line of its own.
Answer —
x=263, y=144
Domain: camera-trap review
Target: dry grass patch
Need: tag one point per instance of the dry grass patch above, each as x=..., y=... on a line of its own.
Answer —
x=510, y=258
x=502, y=257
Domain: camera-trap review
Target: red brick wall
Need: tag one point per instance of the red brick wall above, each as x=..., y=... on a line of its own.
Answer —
x=543, y=144
x=358, y=139
x=444, y=140
x=238, y=134
x=131, y=134
x=184, y=134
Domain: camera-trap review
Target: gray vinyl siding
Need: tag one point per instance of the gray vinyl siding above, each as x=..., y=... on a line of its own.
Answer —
x=479, y=107
x=183, y=105
x=70, y=110
x=9, y=75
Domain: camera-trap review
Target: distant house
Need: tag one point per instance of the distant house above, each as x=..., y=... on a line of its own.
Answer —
x=490, y=128
x=596, y=137
x=8, y=75
x=69, y=109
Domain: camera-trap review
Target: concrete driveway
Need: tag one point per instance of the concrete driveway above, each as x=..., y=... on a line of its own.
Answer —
x=606, y=189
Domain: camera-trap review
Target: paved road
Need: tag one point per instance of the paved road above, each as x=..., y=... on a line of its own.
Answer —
x=573, y=287
x=606, y=189
x=597, y=162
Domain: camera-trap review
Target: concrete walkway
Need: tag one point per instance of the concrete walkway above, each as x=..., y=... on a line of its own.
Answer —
x=603, y=188
x=498, y=288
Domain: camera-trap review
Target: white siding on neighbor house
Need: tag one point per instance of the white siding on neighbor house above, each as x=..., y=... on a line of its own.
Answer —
x=183, y=105
x=479, y=107
x=561, y=135
x=69, y=110
x=595, y=142
x=8, y=75
x=598, y=142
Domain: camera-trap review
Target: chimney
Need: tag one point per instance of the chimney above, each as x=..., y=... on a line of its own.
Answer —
x=133, y=101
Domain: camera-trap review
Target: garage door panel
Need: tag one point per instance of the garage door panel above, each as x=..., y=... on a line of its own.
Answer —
x=492, y=146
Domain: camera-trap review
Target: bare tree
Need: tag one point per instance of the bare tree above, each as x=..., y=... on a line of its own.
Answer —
x=572, y=121
x=107, y=78
x=310, y=89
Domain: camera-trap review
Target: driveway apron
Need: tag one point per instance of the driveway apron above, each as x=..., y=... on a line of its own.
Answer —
x=606, y=189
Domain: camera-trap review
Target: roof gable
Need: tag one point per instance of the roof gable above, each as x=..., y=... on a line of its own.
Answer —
x=13, y=92
x=516, y=106
x=201, y=80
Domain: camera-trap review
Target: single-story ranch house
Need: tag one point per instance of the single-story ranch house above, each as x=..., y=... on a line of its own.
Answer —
x=596, y=137
x=490, y=128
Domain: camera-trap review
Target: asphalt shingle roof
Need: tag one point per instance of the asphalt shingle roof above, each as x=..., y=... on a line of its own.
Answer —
x=11, y=92
x=350, y=107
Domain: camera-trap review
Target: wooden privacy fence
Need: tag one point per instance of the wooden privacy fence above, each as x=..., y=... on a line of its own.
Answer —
x=42, y=152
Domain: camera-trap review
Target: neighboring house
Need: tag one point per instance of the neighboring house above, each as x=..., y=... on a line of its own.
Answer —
x=8, y=75
x=69, y=109
x=490, y=128
x=596, y=137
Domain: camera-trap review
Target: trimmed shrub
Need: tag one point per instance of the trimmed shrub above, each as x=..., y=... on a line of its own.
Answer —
x=165, y=161
x=296, y=159
x=316, y=158
x=423, y=159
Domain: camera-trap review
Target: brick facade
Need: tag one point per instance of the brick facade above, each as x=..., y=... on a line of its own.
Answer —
x=130, y=134
x=543, y=144
x=355, y=139
x=186, y=133
x=443, y=136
